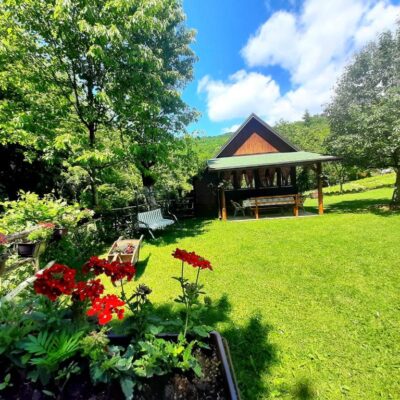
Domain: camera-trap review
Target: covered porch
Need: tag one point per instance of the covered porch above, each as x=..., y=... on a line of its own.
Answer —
x=261, y=182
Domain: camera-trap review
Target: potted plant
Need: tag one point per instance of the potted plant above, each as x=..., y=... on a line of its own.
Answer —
x=3, y=251
x=36, y=243
x=59, y=232
x=68, y=218
x=57, y=352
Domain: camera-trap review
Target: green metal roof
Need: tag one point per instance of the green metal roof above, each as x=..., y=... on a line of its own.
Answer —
x=264, y=160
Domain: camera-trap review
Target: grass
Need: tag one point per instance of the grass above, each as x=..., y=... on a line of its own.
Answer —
x=372, y=182
x=310, y=306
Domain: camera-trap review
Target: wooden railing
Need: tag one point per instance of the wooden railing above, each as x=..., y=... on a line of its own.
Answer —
x=13, y=239
x=23, y=285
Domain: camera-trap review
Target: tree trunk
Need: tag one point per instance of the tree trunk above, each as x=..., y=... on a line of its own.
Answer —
x=93, y=184
x=93, y=189
x=396, y=193
x=148, y=188
x=150, y=198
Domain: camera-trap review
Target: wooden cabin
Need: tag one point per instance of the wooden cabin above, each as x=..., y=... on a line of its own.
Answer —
x=256, y=162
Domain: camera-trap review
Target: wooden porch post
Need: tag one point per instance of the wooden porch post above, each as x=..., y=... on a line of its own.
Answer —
x=296, y=205
x=223, y=204
x=256, y=208
x=320, y=194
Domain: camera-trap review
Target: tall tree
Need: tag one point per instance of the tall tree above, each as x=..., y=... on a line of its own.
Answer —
x=114, y=67
x=364, y=113
x=308, y=134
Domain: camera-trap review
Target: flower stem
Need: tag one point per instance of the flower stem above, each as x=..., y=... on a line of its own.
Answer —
x=186, y=321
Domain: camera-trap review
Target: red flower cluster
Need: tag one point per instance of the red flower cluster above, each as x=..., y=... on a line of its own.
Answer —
x=105, y=306
x=192, y=258
x=88, y=290
x=55, y=281
x=95, y=265
x=3, y=239
x=60, y=279
x=114, y=270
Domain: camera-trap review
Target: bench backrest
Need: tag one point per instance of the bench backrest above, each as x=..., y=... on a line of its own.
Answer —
x=272, y=200
x=149, y=217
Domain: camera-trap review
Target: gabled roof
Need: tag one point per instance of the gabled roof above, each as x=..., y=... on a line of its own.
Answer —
x=267, y=159
x=265, y=130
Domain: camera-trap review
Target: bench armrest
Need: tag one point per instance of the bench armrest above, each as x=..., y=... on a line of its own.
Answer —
x=173, y=216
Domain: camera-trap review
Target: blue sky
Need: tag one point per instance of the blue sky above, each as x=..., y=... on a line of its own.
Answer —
x=274, y=58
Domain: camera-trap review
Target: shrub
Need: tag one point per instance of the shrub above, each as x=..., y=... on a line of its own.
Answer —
x=30, y=210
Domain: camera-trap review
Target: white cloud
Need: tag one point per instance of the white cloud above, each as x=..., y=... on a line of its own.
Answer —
x=230, y=129
x=312, y=46
x=241, y=95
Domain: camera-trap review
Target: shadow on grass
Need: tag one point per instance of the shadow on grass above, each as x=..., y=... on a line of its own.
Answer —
x=375, y=206
x=251, y=351
x=304, y=390
x=184, y=229
x=252, y=354
x=141, y=267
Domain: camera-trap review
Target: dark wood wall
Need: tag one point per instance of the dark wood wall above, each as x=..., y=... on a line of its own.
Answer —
x=206, y=198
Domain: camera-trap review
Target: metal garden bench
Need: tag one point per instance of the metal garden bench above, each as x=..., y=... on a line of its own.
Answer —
x=154, y=220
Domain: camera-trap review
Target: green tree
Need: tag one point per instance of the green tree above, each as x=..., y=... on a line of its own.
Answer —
x=307, y=118
x=93, y=81
x=364, y=113
x=308, y=134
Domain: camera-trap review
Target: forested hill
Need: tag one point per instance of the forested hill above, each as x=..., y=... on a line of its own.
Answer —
x=308, y=134
x=207, y=146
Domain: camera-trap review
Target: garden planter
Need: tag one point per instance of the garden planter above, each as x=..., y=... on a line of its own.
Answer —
x=31, y=249
x=59, y=233
x=216, y=341
x=165, y=387
x=125, y=250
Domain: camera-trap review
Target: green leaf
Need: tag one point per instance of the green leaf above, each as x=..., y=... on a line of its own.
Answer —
x=48, y=393
x=197, y=370
x=127, y=385
x=201, y=331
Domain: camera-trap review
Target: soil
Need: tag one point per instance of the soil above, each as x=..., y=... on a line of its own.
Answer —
x=174, y=386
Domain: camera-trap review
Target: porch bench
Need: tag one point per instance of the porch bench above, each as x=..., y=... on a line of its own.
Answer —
x=154, y=220
x=263, y=202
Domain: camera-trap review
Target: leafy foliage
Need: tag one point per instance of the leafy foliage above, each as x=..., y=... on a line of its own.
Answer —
x=308, y=134
x=47, y=350
x=364, y=113
x=95, y=86
x=30, y=209
x=160, y=356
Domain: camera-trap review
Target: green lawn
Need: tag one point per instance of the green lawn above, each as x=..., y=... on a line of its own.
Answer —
x=310, y=306
x=372, y=182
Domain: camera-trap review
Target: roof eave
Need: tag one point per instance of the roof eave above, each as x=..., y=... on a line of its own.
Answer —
x=288, y=163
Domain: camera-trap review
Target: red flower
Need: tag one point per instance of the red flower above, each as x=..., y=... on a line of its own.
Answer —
x=3, y=239
x=55, y=281
x=88, y=290
x=105, y=306
x=115, y=270
x=94, y=265
x=192, y=258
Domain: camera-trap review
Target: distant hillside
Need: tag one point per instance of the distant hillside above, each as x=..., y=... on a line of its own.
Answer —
x=207, y=146
x=308, y=134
